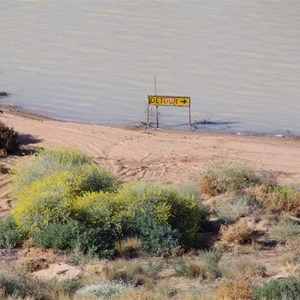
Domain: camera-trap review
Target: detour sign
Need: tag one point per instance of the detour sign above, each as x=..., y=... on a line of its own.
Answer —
x=169, y=101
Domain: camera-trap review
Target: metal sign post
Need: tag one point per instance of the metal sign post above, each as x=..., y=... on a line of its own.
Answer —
x=168, y=101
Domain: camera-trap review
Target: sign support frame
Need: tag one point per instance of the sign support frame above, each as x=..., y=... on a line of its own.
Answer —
x=167, y=101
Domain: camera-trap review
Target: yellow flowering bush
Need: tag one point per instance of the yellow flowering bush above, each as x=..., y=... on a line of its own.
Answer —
x=46, y=201
x=47, y=162
x=52, y=199
x=95, y=208
x=182, y=213
x=61, y=186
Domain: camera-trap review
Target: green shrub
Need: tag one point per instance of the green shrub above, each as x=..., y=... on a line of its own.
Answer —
x=96, y=178
x=13, y=286
x=235, y=208
x=152, y=205
x=20, y=285
x=284, y=231
x=99, y=240
x=58, y=236
x=158, y=239
x=70, y=286
x=10, y=234
x=73, y=234
x=277, y=289
x=227, y=177
x=8, y=140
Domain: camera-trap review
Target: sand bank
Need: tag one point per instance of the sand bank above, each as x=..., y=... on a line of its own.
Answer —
x=169, y=156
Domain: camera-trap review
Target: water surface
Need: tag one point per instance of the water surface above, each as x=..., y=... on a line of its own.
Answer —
x=94, y=61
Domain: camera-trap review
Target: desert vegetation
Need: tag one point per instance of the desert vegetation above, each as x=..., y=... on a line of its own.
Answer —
x=209, y=239
x=8, y=140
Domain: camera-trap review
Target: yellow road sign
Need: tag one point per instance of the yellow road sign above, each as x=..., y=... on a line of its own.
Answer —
x=169, y=101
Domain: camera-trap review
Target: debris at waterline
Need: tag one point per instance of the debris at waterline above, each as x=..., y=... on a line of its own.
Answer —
x=3, y=94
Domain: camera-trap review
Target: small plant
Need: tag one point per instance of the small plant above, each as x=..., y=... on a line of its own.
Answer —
x=289, y=259
x=10, y=235
x=166, y=290
x=105, y=290
x=153, y=268
x=249, y=269
x=277, y=289
x=4, y=169
x=180, y=266
x=20, y=285
x=211, y=260
x=8, y=140
x=284, y=231
x=70, y=286
x=208, y=184
x=205, y=265
x=227, y=177
x=128, y=272
x=234, y=290
x=128, y=248
x=237, y=233
x=237, y=207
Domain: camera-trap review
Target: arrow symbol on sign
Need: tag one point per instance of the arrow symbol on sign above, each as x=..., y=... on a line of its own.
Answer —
x=183, y=101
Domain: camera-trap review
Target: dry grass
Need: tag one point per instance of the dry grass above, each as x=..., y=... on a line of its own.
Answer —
x=34, y=264
x=285, y=231
x=239, y=289
x=237, y=233
x=129, y=272
x=227, y=177
x=128, y=248
x=208, y=185
x=249, y=269
x=197, y=268
x=204, y=266
x=235, y=208
x=277, y=199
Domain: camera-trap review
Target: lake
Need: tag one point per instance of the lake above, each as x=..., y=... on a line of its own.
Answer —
x=95, y=61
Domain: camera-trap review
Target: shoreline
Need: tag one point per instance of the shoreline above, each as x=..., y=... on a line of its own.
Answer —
x=20, y=111
x=168, y=156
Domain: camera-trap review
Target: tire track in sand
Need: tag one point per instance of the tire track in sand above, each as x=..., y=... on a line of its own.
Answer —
x=125, y=161
x=5, y=190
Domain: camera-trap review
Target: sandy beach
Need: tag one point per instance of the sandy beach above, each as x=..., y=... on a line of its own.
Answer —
x=171, y=157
